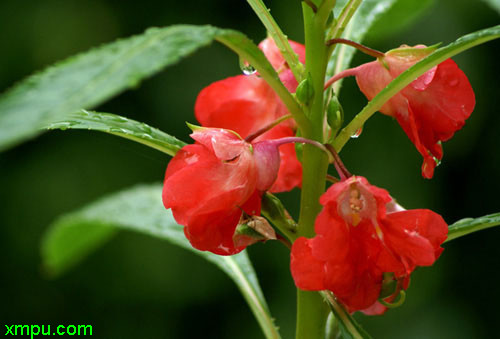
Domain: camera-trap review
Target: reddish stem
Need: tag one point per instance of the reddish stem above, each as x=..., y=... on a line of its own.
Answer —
x=339, y=165
x=284, y=241
x=367, y=50
x=341, y=75
x=263, y=130
x=332, y=179
x=311, y=4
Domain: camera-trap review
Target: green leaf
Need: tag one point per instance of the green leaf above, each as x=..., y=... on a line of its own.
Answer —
x=495, y=4
x=470, y=225
x=140, y=209
x=366, y=15
x=404, y=79
x=89, y=79
x=124, y=127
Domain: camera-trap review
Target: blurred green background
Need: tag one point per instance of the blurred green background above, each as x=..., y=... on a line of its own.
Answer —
x=140, y=287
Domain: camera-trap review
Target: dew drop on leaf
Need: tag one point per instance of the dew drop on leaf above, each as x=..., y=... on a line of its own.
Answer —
x=246, y=68
x=357, y=133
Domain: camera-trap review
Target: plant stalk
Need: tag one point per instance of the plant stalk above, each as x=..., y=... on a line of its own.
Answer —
x=311, y=310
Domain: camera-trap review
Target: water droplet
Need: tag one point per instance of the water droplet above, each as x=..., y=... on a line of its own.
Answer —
x=145, y=128
x=61, y=125
x=146, y=136
x=118, y=130
x=118, y=119
x=246, y=68
x=357, y=133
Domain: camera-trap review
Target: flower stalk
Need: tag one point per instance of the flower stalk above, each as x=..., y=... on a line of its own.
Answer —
x=267, y=128
x=365, y=49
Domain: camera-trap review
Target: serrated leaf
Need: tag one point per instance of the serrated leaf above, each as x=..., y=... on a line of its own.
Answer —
x=89, y=79
x=73, y=236
x=470, y=225
x=121, y=126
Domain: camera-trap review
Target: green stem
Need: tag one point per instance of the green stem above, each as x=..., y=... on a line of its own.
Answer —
x=247, y=50
x=279, y=38
x=312, y=313
x=324, y=10
x=311, y=310
x=342, y=21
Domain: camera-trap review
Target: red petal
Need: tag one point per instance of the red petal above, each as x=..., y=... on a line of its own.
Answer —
x=307, y=271
x=197, y=183
x=366, y=291
x=332, y=238
x=214, y=232
x=223, y=143
x=242, y=103
x=274, y=56
x=415, y=236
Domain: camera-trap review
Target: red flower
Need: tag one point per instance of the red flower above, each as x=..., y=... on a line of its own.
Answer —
x=357, y=241
x=431, y=109
x=246, y=103
x=208, y=185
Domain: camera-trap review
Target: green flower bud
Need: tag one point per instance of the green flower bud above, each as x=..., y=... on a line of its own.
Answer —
x=334, y=115
x=305, y=91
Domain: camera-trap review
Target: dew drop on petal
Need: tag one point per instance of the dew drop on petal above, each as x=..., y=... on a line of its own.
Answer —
x=357, y=133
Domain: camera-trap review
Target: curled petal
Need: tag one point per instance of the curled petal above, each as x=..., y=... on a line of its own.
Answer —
x=208, y=190
x=290, y=169
x=431, y=109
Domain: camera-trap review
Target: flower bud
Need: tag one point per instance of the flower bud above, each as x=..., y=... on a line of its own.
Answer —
x=334, y=114
x=305, y=91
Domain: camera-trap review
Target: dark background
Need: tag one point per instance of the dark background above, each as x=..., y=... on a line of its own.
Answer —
x=140, y=287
